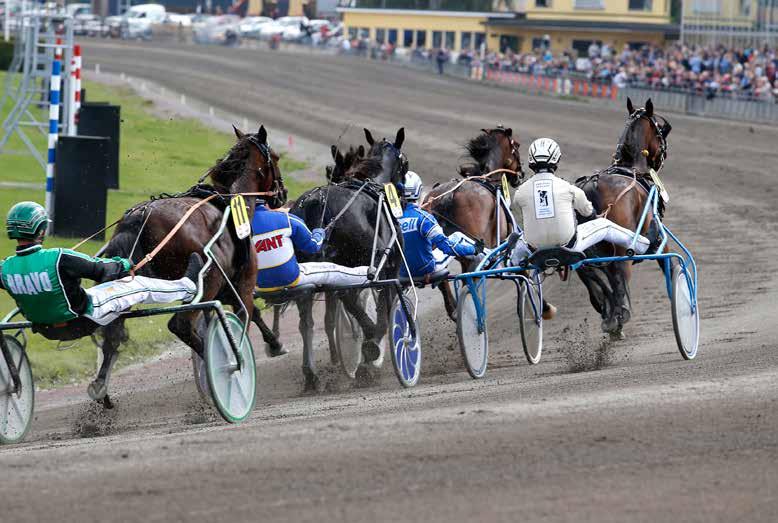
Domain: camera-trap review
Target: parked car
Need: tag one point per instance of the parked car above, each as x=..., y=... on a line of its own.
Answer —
x=222, y=30
x=280, y=25
x=251, y=25
x=178, y=20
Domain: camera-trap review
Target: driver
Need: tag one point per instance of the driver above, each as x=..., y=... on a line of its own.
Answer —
x=46, y=283
x=275, y=236
x=427, y=249
x=547, y=204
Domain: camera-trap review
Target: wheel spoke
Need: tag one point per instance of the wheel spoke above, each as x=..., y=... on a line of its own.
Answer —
x=15, y=404
x=4, y=413
x=241, y=392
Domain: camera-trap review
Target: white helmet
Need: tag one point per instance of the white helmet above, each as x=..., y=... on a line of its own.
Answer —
x=544, y=153
x=412, y=187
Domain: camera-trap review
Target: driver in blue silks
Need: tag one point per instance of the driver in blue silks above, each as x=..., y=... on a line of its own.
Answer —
x=427, y=248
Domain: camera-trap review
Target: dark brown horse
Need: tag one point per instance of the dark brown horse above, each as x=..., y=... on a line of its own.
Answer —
x=620, y=191
x=251, y=166
x=470, y=207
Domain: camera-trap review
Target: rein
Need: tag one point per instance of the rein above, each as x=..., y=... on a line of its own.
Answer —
x=461, y=182
x=624, y=191
x=345, y=207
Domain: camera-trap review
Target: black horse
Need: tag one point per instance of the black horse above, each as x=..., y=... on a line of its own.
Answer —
x=349, y=242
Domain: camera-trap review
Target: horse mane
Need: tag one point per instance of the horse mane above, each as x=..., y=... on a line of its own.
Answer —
x=228, y=169
x=482, y=149
x=365, y=169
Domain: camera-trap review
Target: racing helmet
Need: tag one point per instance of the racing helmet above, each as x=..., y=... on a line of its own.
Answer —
x=26, y=221
x=412, y=186
x=544, y=153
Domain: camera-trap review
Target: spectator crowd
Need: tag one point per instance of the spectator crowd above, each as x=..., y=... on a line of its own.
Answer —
x=708, y=70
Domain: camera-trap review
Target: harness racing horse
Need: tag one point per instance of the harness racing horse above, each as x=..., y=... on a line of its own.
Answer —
x=348, y=210
x=251, y=166
x=470, y=206
x=620, y=193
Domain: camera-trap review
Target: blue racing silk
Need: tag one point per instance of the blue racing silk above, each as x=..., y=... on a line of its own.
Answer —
x=421, y=234
x=275, y=236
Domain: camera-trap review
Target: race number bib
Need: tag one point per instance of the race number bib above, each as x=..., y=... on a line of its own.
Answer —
x=543, y=191
x=393, y=200
x=240, y=217
x=506, y=192
x=659, y=185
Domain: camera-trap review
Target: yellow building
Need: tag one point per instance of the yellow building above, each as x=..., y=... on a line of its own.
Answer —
x=520, y=25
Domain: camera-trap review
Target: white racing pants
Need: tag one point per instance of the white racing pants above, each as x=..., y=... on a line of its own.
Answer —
x=331, y=274
x=111, y=298
x=589, y=234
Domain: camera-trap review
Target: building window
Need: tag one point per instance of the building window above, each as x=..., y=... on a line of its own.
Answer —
x=542, y=3
x=393, y=36
x=582, y=47
x=421, y=38
x=707, y=7
x=450, y=37
x=480, y=39
x=437, y=38
x=380, y=35
x=407, y=38
x=589, y=4
x=364, y=32
x=509, y=42
x=640, y=5
x=467, y=40
x=352, y=32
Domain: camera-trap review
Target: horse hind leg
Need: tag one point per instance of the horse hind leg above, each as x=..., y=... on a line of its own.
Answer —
x=330, y=320
x=305, y=307
x=273, y=345
x=113, y=335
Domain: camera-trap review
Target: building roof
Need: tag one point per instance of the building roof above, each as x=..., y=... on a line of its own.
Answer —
x=577, y=25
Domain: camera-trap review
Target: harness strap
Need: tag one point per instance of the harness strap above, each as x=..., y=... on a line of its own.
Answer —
x=161, y=245
x=345, y=207
x=621, y=194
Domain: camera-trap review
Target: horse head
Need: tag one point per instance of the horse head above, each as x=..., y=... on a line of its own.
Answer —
x=643, y=142
x=251, y=166
x=394, y=163
x=492, y=150
x=343, y=162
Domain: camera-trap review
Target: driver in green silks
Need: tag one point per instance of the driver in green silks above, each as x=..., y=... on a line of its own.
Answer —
x=46, y=283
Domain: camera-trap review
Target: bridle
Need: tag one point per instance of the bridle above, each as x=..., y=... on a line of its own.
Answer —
x=659, y=159
x=515, y=152
x=277, y=186
x=401, y=166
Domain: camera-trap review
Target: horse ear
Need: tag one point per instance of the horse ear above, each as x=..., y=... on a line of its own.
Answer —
x=334, y=151
x=369, y=137
x=399, y=139
x=361, y=151
x=238, y=133
x=649, y=108
x=630, y=107
x=262, y=135
x=508, y=132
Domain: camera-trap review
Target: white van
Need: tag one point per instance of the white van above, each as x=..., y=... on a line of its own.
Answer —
x=136, y=22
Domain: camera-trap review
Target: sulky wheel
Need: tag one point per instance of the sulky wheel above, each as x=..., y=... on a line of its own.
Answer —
x=686, y=314
x=233, y=391
x=473, y=338
x=406, y=348
x=16, y=406
x=530, y=310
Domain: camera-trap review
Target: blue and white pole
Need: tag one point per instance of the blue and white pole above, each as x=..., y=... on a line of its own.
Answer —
x=54, y=100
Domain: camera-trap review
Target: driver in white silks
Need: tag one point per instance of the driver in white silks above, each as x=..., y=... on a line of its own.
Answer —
x=547, y=203
x=275, y=236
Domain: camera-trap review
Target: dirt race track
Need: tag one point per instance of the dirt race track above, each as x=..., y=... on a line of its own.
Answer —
x=648, y=437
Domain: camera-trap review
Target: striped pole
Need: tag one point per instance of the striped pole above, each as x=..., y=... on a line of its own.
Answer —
x=56, y=83
x=76, y=87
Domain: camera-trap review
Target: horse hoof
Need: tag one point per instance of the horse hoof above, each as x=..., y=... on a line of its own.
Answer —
x=371, y=351
x=625, y=316
x=366, y=376
x=274, y=352
x=617, y=335
x=549, y=311
x=378, y=362
x=107, y=402
x=97, y=390
x=311, y=383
